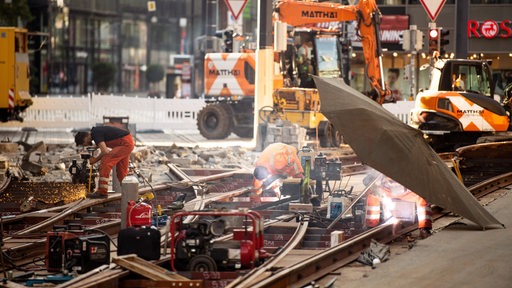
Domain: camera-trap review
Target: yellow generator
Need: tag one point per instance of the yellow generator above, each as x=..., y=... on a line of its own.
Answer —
x=14, y=64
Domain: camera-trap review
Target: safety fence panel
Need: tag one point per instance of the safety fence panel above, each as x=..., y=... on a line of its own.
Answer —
x=149, y=113
x=401, y=109
x=86, y=111
x=55, y=112
x=71, y=112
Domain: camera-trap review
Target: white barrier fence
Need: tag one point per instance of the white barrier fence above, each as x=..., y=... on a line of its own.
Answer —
x=86, y=111
x=400, y=109
x=145, y=113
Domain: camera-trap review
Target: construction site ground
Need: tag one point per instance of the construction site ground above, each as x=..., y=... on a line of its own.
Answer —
x=458, y=254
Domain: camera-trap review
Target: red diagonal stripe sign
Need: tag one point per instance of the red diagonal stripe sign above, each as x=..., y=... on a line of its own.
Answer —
x=236, y=7
x=433, y=7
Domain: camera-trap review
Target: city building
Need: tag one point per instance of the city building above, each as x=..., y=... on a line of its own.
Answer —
x=73, y=36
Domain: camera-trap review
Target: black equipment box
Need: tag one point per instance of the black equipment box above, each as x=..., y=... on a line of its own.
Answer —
x=85, y=253
x=55, y=249
x=144, y=241
x=72, y=250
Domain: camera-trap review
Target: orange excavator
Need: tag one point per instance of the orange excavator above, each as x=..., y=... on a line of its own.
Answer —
x=449, y=115
x=310, y=21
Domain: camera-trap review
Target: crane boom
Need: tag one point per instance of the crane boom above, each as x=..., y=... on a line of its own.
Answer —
x=367, y=15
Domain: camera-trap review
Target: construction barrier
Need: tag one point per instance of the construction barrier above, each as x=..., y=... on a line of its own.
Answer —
x=86, y=111
x=72, y=112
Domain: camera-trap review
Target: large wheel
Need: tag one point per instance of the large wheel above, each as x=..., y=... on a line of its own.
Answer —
x=215, y=121
x=202, y=263
x=325, y=134
x=337, y=138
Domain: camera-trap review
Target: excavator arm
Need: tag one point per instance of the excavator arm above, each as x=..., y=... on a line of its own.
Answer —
x=367, y=15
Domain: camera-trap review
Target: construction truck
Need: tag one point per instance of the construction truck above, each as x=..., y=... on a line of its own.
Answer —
x=452, y=115
x=298, y=100
x=229, y=94
x=14, y=64
x=229, y=77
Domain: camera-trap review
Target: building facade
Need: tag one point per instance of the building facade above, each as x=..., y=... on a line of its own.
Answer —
x=132, y=35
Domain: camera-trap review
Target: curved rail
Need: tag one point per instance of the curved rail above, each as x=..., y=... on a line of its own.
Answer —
x=256, y=274
x=328, y=260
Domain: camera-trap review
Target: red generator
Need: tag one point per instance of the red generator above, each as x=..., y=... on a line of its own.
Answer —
x=138, y=214
x=195, y=247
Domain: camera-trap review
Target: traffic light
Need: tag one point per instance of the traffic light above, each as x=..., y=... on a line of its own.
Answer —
x=433, y=40
x=228, y=41
x=443, y=41
x=405, y=40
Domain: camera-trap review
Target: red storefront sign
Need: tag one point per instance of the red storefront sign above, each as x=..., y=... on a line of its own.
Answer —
x=490, y=29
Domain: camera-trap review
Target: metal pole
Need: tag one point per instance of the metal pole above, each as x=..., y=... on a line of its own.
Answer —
x=414, y=50
x=461, y=36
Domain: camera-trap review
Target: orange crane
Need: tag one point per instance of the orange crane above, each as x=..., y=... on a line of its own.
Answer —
x=299, y=103
x=367, y=15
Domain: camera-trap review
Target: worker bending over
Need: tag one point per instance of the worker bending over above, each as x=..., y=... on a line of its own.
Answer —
x=116, y=145
x=385, y=194
x=278, y=161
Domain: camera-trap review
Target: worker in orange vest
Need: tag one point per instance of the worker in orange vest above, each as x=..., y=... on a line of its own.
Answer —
x=116, y=145
x=387, y=190
x=277, y=161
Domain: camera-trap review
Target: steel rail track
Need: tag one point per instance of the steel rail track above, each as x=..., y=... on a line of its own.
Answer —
x=294, y=276
x=25, y=245
x=328, y=260
x=255, y=274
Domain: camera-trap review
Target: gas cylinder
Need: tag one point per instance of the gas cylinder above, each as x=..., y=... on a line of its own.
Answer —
x=138, y=214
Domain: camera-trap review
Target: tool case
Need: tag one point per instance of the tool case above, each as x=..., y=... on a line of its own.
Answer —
x=142, y=241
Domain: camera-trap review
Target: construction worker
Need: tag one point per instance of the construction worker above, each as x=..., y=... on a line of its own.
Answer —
x=277, y=161
x=460, y=83
x=115, y=144
x=305, y=59
x=389, y=191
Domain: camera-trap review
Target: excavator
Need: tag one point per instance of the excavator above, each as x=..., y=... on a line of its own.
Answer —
x=448, y=116
x=229, y=77
x=451, y=116
x=299, y=103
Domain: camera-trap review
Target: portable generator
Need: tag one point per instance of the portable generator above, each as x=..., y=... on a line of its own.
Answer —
x=196, y=248
x=76, y=250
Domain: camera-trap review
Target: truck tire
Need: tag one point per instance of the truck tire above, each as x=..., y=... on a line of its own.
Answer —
x=325, y=133
x=337, y=138
x=215, y=121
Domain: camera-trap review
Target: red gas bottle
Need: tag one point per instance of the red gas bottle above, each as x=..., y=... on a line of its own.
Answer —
x=138, y=214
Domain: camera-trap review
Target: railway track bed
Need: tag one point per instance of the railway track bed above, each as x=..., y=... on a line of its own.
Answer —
x=293, y=266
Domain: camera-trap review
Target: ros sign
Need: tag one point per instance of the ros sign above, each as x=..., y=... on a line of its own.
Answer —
x=490, y=29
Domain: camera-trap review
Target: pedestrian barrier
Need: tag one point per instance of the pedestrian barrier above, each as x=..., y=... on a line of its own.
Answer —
x=85, y=111
x=71, y=112
x=401, y=109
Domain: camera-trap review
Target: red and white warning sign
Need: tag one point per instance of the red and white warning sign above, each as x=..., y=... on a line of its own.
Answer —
x=433, y=7
x=236, y=7
x=11, y=98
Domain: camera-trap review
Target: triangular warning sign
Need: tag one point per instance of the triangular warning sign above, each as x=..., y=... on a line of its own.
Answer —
x=433, y=7
x=236, y=7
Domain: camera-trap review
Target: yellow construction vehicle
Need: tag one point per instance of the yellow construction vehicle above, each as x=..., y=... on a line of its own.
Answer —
x=298, y=101
x=14, y=64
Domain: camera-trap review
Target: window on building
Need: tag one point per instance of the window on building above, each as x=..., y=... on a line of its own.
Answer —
x=131, y=34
